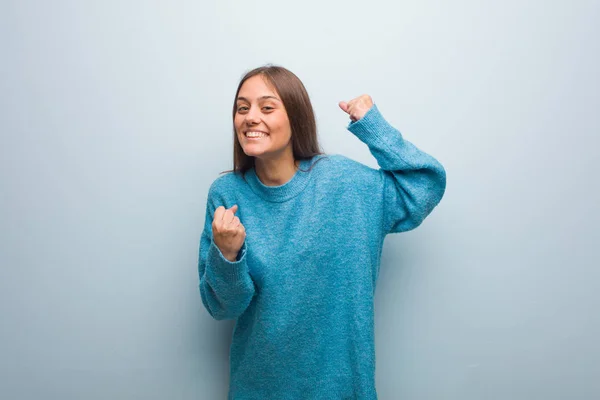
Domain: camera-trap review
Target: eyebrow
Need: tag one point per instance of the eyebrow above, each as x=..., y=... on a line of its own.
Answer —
x=260, y=98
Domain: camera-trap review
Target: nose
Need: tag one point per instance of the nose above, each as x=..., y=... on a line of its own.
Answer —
x=252, y=116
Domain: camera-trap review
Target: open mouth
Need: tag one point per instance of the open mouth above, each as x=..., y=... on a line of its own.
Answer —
x=255, y=134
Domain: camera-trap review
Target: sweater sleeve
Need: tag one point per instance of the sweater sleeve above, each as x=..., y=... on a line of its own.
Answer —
x=412, y=182
x=226, y=287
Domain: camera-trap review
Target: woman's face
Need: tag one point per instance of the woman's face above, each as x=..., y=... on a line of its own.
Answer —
x=261, y=122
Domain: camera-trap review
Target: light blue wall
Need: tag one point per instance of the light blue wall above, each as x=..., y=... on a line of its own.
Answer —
x=115, y=119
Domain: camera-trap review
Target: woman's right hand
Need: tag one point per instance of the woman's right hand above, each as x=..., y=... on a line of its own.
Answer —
x=228, y=232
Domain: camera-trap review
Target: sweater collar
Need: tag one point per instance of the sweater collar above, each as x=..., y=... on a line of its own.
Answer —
x=284, y=192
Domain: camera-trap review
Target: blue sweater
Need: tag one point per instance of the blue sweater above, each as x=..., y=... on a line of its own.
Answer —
x=302, y=287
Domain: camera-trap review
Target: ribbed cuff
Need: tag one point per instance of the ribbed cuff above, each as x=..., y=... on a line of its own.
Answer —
x=223, y=269
x=373, y=127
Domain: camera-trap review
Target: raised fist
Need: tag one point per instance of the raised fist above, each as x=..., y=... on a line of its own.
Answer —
x=228, y=232
x=358, y=107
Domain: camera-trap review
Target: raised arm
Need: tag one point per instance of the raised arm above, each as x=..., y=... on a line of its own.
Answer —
x=226, y=287
x=412, y=181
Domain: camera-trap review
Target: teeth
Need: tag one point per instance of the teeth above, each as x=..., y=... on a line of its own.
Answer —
x=255, y=134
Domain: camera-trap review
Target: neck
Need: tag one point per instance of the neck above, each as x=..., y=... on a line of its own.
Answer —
x=275, y=172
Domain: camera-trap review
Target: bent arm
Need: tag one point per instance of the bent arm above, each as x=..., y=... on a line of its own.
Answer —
x=412, y=182
x=226, y=287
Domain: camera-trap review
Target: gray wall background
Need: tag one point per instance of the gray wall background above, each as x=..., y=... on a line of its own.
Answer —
x=115, y=119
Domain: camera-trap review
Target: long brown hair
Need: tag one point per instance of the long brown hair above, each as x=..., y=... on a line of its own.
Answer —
x=299, y=110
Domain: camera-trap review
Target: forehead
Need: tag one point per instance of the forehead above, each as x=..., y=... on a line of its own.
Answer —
x=257, y=87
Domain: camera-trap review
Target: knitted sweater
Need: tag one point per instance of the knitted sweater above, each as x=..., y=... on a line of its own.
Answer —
x=303, y=285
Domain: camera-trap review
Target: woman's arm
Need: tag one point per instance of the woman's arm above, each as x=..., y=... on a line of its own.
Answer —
x=226, y=287
x=412, y=181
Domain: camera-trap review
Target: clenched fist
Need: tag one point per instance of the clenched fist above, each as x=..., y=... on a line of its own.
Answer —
x=358, y=107
x=228, y=232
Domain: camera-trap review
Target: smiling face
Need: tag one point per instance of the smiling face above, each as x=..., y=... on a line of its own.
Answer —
x=261, y=122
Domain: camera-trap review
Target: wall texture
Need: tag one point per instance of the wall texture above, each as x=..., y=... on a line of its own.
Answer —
x=115, y=118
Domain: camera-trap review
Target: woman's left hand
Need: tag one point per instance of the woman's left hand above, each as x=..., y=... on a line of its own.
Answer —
x=358, y=107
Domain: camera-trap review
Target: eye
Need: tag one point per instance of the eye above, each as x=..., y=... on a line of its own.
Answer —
x=268, y=108
x=241, y=108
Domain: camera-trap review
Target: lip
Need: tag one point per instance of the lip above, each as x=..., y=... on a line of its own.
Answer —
x=254, y=130
x=254, y=138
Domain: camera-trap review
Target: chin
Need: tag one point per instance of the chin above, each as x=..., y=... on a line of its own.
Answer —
x=252, y=153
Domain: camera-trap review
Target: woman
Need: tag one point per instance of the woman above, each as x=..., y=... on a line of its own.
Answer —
x=292, y=241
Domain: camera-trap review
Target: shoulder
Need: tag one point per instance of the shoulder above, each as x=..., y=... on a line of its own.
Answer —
x=340, y=173
x=224, y=184
x=341, y=166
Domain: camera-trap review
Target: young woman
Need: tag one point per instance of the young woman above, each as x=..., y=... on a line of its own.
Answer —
x=292, y=241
